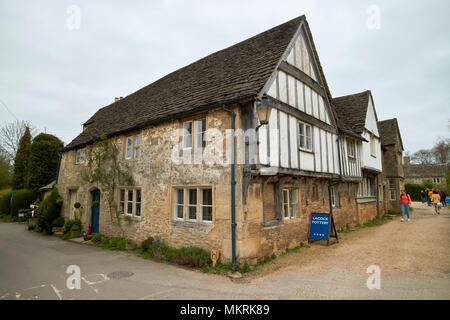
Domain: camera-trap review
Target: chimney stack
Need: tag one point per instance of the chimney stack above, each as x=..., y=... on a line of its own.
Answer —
x=116, y=99
x=406, y=160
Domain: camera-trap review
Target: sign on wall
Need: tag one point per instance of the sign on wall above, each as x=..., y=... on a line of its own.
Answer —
x=322, y=227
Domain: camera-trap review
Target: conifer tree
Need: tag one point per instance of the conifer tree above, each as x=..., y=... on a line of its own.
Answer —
x=22, y=162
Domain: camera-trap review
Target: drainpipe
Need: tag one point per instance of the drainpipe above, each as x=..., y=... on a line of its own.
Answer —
x=377, y=197
x=340, y=174
x=233, y=190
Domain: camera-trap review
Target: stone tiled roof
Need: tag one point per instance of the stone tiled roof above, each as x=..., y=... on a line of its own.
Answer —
x=390, y=133
x=230, y=75
x=425, y=170
x=352, y=110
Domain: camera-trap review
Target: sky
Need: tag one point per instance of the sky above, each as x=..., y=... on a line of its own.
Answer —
x=61, y=61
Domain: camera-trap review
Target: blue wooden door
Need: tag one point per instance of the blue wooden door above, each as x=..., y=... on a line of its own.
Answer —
x=95, y=228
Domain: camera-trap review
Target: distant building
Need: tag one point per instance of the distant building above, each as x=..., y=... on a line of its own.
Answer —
x=393, y=172
x=435, y=174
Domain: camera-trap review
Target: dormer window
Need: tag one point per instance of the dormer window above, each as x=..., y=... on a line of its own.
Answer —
x=305, y=136
x=351, y=149
x=80, y=156
x=373, y=151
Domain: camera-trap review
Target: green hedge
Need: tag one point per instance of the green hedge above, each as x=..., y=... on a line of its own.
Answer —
x=22, y=200
x=48, y=211
x=5, y=204
x=414, y=191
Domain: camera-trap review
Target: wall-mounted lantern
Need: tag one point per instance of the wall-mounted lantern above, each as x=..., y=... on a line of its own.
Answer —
x=264, y=107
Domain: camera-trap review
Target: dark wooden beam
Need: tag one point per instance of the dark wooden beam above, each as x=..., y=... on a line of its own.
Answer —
x=302, y=116
x=303, y=77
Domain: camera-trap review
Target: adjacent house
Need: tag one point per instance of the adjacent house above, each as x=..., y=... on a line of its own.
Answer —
x=393, y=173
x=174, y=138
x=435, y=173
x=357, y=113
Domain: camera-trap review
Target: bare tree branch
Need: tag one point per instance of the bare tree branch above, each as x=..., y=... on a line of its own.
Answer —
x=10, y=135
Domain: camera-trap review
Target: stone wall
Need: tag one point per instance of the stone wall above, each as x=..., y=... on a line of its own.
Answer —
x=156, y=175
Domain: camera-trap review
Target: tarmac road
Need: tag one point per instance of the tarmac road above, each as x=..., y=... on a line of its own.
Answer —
x=34, y=266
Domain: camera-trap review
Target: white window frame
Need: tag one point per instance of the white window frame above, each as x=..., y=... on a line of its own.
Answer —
x=177, y=204
x=200, y=143
x=80, y=156
x=136, y=203
x=128, y=147
x=136, y=146
x=126, y=201
x=185, y=135
x=202, y=206
x=122, y=202
x=351, y=149
x=304, y=137
x=189, y=205
x=290, y=203
x=390, y=194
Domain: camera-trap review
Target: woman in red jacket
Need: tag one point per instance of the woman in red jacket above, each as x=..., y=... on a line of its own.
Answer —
x=405, y=201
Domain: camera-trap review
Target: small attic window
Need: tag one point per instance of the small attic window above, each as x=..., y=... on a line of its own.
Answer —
x=80, y=156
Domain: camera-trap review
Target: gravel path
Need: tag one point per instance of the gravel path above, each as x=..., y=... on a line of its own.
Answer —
x=419, y=247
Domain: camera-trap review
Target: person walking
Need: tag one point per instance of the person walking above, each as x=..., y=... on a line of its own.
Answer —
x=405, y=201
x=429, y=194
x=444, y=196
x=436, y=198
x=423, y=196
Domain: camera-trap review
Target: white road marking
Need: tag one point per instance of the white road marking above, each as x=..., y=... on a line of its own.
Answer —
x=58, y=293
x=163, y=292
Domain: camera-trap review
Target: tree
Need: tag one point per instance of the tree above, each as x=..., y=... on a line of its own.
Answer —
x=45, y=152
x=22, y=162
x=5, y=170
x=441, y=150
x=10, y=135
x=423, y=157
x=104, y=169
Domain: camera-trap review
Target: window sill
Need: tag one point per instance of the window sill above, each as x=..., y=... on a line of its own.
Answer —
x=272, y=223
x=366, y=199
x=306, y=150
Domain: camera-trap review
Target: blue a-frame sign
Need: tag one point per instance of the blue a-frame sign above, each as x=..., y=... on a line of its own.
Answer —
x=322, y=227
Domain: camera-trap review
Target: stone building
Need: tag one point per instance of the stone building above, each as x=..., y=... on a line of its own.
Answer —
x=173, y=137
x=393, y=172
x=357, y=114
x=436, y=174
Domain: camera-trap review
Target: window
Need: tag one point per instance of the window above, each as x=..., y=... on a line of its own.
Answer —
x=137, y=141
x=80, y=156
x=122, y=201
x=392, y=190
x=305, y=136
x=373, y=151
x=133, y=147
x=192, y=204
x=187, y=135
x=179, y=204
x=198, y=199
x=334, y=197
x=130, y=202
x=206, y=205
x=200, y=129
x=351, y=149
x=129, y=144
x=290, y=203
x=137, y=211
x=393, y=195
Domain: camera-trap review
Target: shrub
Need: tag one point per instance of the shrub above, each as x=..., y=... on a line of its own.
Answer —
x=58, y=222
x=21, y=200
x=75, y=227
x=187, y=256
x=414, y=191
x=32, y=224
x=69, y=223
x=49, y=210
x=147, y=243
x=97, y=238
x=5, y=204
